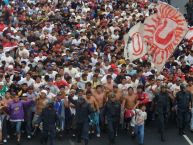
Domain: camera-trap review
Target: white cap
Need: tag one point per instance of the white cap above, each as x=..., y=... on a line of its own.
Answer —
x=77, y=75
x=32, y=43
x=44, y=91
x=95, y=53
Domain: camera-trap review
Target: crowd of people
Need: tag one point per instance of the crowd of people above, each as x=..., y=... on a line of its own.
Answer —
x=67, y=73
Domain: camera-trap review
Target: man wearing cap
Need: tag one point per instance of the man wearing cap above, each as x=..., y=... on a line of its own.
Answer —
x=162, y=104
x=184, y=104
x=112, y=112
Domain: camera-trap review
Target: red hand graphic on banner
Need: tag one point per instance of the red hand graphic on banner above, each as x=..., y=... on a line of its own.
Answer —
x=163, y=31
x=167, y=39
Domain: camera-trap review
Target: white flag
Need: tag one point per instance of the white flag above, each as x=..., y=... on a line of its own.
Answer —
x=134, y=44
x=163, y=32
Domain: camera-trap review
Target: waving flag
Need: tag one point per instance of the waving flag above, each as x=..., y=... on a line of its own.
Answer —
x=8, y=46
x=163, y=32
x=134, y=44
x=3, y=27
x=189, y=35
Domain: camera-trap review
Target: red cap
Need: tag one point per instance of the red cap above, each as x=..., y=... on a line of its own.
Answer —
x=113, y=66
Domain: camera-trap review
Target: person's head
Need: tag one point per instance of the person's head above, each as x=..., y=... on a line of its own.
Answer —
x=123, y=80
x=16, y=98
x=88, y=94
x=43, y=93
x=143, y=107
x=24, y=87
x=28, y=76
x=62, y=89
x=84, y=76
x=163, y=88
x=30, y=89
x=80, y=93
x=115, y=88
x=99, y=88
x=8, y=95
x=109, y=79
x=130, y=90
x=140, y=89
x=182, y=87
x=72, y=92
x=88, y=85
x=178, y=81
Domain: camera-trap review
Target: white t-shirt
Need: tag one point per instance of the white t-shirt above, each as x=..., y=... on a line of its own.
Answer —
x=72, y=72
x=30, y=82
x=76, y=42
x=8, y=60
x=140, y=117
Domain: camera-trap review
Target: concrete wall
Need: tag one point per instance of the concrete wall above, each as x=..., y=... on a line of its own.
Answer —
x=179, y=4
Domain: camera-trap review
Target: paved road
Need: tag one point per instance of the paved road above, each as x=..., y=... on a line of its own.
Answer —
x=151, y=138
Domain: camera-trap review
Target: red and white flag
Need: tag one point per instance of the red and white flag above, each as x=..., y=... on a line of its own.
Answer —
x=8, y=46
x=135, y=47
x=3, y=27
x=189, y=35
x=163, y=32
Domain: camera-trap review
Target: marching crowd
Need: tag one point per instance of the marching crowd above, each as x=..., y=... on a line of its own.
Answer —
x=68, y=74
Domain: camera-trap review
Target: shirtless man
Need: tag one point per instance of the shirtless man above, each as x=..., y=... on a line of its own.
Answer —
x=190, y=86
x=101, y=99
x=94, y=117
x=41, y=103
x=4, y=116
x=129, y=103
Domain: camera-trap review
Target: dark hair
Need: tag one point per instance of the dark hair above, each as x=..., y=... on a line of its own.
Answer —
x=98, y=86
x=109, y=77
x=130, y=88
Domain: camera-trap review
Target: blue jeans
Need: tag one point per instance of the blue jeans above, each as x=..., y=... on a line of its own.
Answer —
x=94, y=121
x=139, y=131
x=17, y=125
x=61, y=123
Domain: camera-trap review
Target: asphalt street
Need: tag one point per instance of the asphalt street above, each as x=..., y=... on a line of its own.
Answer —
x=151, y=138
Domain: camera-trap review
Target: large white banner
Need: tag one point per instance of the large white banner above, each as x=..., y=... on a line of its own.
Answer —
x=135, y=47
x=163, y=32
